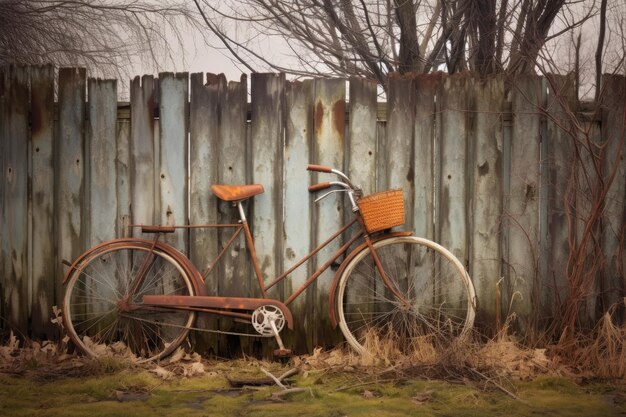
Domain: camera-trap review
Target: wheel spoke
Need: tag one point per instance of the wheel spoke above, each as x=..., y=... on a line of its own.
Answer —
x=437, y=296
x=97, y=299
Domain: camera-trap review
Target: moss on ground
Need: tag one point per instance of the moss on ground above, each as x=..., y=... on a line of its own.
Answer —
x=325, y=395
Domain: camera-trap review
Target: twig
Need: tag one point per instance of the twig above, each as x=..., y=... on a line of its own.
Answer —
x=363, y=384
x=276, y=380
x=495, y=384
x=278, y=395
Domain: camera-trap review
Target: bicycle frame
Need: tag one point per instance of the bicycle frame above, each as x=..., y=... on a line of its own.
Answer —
x=241, y=307
x=244, y=226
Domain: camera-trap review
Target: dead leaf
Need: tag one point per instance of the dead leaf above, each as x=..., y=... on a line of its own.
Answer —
x=177, y=355
x=422, y=397
x=368, y=395
x=162, y=373
x=196, y=368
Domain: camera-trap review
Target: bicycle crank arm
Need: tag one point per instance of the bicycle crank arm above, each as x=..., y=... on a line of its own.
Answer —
x=203, y=302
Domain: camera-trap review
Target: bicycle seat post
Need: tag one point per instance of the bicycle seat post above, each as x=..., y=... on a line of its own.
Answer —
x=242, y=214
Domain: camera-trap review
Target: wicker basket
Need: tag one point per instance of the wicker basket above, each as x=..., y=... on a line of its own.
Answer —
x=382, y=210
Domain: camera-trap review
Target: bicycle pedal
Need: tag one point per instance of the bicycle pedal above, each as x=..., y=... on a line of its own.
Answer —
x=282, y=353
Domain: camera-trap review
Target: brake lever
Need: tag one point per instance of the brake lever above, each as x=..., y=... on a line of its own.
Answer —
x=318, y=199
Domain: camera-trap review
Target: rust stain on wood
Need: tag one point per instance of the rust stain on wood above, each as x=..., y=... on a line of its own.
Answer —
x=339, y=119
x=319, y=118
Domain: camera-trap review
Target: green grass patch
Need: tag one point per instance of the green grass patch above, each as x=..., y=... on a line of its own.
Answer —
x=336, y=394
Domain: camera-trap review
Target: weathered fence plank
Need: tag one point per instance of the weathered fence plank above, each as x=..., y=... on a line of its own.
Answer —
x=522, y=205
x=173, y=153
x=614, y=169
x=298, y=206
x=205, y=100
x=42, y=200
x=101, y=219
x=204, y=136
x=142, y=151
x=267, y=131
x=232, y=153
x=122, y=177
x=234, y=272
x=485, y=256
x=17, y=289
x=562, y=162
x=71, y=165
x=400, y=138
x=362, y=139
x=329, y=136
x=424, y=155
x=453, y=194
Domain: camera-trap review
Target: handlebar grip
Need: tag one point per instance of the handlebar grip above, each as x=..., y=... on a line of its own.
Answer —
x=319, y=168
x=318, y=187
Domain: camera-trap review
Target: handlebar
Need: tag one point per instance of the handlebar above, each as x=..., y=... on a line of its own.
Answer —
x=344, y=184
x=319, y=187
x=319, y=168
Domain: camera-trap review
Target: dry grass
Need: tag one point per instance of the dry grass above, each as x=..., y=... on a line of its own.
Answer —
x=601, y=354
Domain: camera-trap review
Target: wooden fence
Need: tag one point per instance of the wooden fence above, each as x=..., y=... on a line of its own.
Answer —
x=485, y=165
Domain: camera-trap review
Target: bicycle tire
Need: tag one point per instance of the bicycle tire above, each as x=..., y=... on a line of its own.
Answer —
x=96, y=289
x=440, y=293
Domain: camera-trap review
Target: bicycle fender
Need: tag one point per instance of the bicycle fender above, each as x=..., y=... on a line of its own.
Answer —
x=332, y=294
x=195, y=277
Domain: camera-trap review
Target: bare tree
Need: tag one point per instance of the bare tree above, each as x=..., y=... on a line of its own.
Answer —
x=372, y=38
x=103, y=35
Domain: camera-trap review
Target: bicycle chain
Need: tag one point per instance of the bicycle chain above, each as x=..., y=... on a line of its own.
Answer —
x=198, y=329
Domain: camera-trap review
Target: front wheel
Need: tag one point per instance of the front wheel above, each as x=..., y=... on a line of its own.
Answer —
x=100, y=308
x=437, y=296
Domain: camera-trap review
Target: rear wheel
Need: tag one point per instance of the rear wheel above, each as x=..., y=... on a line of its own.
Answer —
x=437, y=297
x=99, y=308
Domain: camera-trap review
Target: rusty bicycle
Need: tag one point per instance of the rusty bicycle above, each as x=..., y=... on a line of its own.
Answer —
x=146, y=294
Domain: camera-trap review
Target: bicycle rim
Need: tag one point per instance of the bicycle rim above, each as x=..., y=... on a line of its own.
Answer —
x=438, y=297
x=98, y=291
